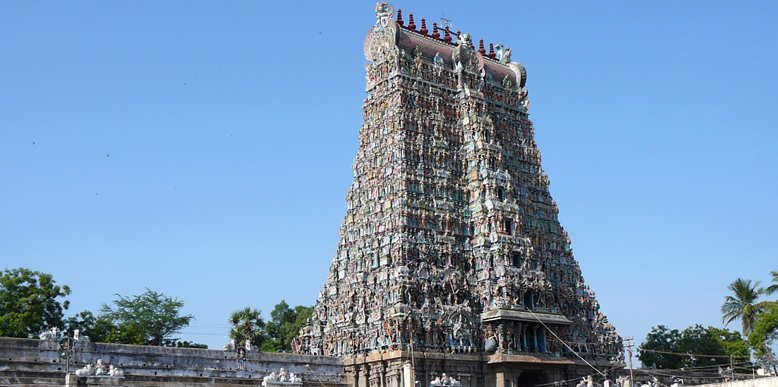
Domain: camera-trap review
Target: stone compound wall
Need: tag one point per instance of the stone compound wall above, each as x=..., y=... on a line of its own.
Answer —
x=762, y=382
x=37, y=362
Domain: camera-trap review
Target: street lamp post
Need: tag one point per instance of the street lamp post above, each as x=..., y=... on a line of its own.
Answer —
x=67, y=350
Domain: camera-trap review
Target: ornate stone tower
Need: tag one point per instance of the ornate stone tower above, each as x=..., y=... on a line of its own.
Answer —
x=451, y=258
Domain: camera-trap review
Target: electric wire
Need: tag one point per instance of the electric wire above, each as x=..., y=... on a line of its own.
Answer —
x=565, y=344
x=692, y=354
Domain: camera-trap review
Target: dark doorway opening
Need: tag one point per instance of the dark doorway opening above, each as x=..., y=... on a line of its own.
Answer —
x=530, y=379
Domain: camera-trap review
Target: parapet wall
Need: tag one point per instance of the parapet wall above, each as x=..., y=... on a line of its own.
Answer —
x=38, y=362
x=761, y=382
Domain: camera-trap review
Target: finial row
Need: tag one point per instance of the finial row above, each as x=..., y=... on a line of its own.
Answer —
x=436, y=33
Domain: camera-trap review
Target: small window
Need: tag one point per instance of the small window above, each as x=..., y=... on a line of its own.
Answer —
x=501, y=193
x=529, y=301
x=516, y=259
x=508, y=226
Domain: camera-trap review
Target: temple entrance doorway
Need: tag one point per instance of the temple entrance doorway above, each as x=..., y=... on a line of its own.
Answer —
x=530, y=379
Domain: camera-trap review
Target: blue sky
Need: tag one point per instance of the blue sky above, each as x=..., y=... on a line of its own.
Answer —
x=203, y=149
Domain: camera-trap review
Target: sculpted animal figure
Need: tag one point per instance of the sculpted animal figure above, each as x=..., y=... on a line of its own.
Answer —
x=273, y=377
x=113, y=371
x=86, y=371
x=503, y=53
x=51, y=334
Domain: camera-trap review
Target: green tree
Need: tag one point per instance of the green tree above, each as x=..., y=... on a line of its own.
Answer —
x=28, y=302
x=714, y=342
x=98, y=328
x=656, y=350
x=765, y=330
x=247, y=324
x=733, y=343
x=189, y=344
x=284, y=325
x=695, y=346
x=147, y=319
x=742, y=304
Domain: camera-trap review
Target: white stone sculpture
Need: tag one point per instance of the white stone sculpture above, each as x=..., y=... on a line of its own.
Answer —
x=503, y=53
x=86, y=371
x=273, y=377
x=113, y=371
x=100, y=368
x=229, y=346
x=53, y=333
x=445, y=380
x=283, y=376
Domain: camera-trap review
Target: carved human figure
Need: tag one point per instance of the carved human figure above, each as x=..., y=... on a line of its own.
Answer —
x=100, y=368
x=283, y=376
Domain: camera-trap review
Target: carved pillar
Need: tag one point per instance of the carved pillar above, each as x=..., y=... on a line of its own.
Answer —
x=394, y=374
x=500, y=379
x=534, y=339
x=409, y=375
x=352, y=376
x=465, y=379
x=363, y=377
x=524, y=339
x=382, y=375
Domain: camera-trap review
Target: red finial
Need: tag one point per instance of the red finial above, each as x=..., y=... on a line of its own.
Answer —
x=481, y=48
x=447, y=38
x=435, y=33
x=400, y=17
x=491, y=51
x=411, y=24
x=424, y=29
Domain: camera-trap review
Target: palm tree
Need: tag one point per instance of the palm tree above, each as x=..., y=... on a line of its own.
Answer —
x=247, y=325
x=774, y=287
x=742, y=304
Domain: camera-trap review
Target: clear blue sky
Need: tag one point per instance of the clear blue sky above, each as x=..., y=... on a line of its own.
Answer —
x=203, y=149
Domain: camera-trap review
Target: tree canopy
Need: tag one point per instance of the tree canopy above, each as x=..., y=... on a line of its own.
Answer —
x=695, y=346
x=741, y=304
x=150, y=318
x=284, y=325
x=29, y=302
x=247, y=325
x=765, y=330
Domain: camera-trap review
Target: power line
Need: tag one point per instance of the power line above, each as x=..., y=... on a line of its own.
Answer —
x=691, y=354
x=565, y=344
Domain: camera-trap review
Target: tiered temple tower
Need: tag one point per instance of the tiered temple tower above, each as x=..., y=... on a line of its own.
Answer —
x=451, y=248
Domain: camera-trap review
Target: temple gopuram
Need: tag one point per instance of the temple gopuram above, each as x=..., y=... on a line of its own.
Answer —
x=452, y=267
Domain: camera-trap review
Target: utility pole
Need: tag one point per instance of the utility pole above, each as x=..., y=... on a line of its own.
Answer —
x=628, y=346
x=732, y=367
x=772, y=360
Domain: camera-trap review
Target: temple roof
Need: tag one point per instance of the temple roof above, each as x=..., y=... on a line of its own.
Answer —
x=431, y=44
